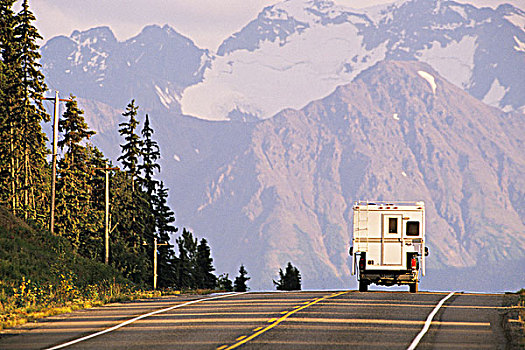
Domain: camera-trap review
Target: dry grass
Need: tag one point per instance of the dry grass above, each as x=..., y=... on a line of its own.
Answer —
x=513, y=319
x=15, y=316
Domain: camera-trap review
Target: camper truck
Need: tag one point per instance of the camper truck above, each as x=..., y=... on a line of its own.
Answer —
x=388, y=243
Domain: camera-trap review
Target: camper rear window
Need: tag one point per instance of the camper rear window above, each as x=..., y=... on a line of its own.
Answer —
x=412, y=228
x=392, y=225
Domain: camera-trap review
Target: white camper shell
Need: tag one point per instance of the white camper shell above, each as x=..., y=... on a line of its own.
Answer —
x=388, y=244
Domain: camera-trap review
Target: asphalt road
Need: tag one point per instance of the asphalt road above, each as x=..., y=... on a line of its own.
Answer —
x=294, y=320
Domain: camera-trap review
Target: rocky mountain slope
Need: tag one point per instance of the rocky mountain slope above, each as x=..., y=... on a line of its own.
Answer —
x=399, y=131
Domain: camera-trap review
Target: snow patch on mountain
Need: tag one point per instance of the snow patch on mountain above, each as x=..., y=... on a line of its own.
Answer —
x=520, y=46
x=261, y=82
x=454, y=61
x=300, y=50
x=495, y=94
x=429, y=78
x=166, y=97
x=516, y=17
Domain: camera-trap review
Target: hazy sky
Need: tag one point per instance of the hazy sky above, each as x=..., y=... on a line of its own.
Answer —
x=207, y=22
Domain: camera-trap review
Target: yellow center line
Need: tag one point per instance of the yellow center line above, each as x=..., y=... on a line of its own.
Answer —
x=279, y=320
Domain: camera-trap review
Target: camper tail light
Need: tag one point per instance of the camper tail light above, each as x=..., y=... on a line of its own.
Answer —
x=362, y=263
x=414, y=263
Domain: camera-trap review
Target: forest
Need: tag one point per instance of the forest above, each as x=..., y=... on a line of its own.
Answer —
x=139, y=210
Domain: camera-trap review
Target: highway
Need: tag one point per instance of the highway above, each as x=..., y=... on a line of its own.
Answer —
x=286, y=320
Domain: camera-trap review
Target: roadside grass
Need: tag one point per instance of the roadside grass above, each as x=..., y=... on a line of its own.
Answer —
x=23, y=306
x=28, y=302
x=513, y=319
x=40, y=275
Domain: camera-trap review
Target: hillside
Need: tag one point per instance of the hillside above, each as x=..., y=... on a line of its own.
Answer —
x=26, y=253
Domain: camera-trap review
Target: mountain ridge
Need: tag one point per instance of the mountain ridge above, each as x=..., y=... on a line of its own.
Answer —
x=281, y=189
x=301, y=187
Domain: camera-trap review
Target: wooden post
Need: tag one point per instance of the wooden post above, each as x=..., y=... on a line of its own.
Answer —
x=54, y=159
x=106, y=216
x=155, y=245
x=155, y=263
x=106, y=219
x=54, y=166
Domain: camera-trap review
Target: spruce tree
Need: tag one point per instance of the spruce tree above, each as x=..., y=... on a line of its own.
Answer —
x=150, y=155
x=239, y=285
x=128, y=252
x=75, y=130
x=185, y=263
x=93, y=244
x=290, y=280
x=164, y=219
x=224, y=283
x=77, y=217
x=204, y=267
x=131, y=149
x=9, y=90
x=136, y=222
x=33, y=171
x=25, y=186
x=7, y=64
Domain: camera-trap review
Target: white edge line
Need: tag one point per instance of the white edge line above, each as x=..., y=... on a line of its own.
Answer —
x=418, y=338
x=125, y=323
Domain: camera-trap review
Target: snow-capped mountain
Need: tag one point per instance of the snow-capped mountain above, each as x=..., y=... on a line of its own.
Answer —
x=154, y=66
x=313, y=105
x=399, y=130
x=300, y=50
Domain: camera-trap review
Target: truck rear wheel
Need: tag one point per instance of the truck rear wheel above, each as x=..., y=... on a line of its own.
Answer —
x=413, y=287
x=363, y=286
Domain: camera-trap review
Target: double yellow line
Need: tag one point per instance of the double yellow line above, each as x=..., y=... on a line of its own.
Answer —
x=275, y=322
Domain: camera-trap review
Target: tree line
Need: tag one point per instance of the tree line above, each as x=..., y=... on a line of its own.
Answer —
x=139, y=202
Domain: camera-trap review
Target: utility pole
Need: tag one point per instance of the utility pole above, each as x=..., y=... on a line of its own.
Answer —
x=54, y=167
x=106, y=217
x=155, y=245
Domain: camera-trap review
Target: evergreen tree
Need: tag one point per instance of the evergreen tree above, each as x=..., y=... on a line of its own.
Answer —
x=128, y=252
x=75, y=130
x=164, y=216
x=9, y=91
x=164, y=219
x=185, y=263
x=150, y=155
x=33, y=141
x=76, y=218
x=204, y=267
x=240, y=281
x=131, y=149
x=28, y=173
x=93, y=243
x=224, y=283
x=7, y=64
x=135, y=212
x=290, y=280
